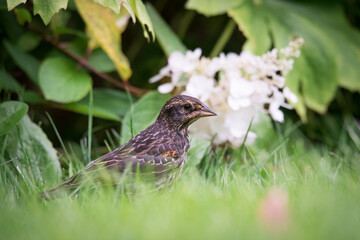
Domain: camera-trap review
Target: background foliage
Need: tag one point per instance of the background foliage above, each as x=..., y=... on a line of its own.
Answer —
x=78, y=71
x=76, y=55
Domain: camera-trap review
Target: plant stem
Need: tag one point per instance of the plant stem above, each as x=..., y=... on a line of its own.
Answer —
x=224, y=38
x=90, y=120
x=185, y=23
x=132, y=90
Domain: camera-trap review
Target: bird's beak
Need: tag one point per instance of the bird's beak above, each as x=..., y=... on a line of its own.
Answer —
x=206, y=112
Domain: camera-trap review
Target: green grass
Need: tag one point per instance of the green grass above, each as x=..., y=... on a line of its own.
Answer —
x=221, y=198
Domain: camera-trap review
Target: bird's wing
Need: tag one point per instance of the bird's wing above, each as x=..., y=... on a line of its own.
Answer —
x=146, y=162
x=125, y=158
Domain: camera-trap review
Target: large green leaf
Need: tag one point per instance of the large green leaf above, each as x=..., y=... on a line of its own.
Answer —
x=253, y=26
x=31, y=152
x=330, y=56
x=11, y=113
x=167, y=39
x=62, y=81
x=213, y=7
x=13, y=3
x=25, y=61
x=142, y=114
x=47, y=8
x=108, y=104
x=99, y=60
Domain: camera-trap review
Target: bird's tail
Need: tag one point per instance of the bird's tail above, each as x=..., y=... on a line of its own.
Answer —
x=61, y=189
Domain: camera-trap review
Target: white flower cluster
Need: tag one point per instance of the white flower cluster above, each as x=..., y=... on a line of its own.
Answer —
x=237, y=87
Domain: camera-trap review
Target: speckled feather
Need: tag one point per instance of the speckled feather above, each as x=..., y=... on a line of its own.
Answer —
x=160, y=149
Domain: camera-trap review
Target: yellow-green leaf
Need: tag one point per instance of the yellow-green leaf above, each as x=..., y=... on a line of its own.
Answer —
x=101, y=23
x=113, y=4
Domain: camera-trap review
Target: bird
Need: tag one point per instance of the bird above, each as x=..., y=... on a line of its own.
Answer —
x=159, y=151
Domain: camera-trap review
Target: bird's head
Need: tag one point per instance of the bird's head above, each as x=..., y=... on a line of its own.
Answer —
x=180, y=111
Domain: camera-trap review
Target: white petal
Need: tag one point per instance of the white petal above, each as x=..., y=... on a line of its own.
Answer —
x=241, y=87
x=237, y=103
x=175, y=78
x=288, y=94
x=166, y=88
x=176, y=61
x=165, y=71
x=193, y=55
x=156, y=78
x=188, y=66
x=287, y=106
x=233, y=103
x=200, y=86
x=244, y=102
x=276, y=113
x=250, y=139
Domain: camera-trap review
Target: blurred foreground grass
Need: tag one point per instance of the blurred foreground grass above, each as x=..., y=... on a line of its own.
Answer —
x=282, y=187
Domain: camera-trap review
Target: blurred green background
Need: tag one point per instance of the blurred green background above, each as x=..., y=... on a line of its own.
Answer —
x=74, y=85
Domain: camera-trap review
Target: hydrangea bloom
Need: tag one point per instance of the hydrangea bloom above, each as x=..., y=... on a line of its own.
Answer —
x=238, y=87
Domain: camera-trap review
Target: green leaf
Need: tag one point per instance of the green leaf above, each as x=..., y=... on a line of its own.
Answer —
x=101, y=61
x=62, y=81
x=28, y=41
x=254, y=27
x=141, y=13
x=32, y=97
x=47, y=8
x=101, y=23
x=213, y=7
x=24, y=61
x=108, y=104
x=9, y=83
x=31, y=152
x=13, y=3
x=167, y=39
x=60, y=21
x=143, y=113
x=330, y=56
x=315, y=72
x=23, y=16
x=127, y=6
x=11, y=113
x=113, y=4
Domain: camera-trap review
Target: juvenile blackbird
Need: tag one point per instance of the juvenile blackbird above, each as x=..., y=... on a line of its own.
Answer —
x=159, y=150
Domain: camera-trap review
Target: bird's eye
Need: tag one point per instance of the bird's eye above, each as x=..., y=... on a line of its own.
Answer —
x=187, y=106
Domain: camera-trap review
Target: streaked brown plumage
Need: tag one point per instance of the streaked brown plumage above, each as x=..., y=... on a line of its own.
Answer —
x=159, y=150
